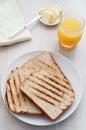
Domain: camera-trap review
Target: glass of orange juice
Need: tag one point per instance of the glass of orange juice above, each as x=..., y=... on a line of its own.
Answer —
x=70, y=31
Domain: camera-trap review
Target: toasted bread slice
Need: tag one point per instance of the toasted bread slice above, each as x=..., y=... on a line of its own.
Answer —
x=48, y=95
x=45, y=61
x=15, y=99
x=48, y=87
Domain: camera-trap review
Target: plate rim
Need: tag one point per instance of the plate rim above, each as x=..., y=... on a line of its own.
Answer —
x=39, y=51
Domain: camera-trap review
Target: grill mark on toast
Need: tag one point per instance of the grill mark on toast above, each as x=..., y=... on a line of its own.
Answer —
x=67, y=81
x=24, y=102
x=8, y=101
x=57, y=82
x=22, y=78
x=45, y=93
x=51, y=85
x=43, y=65
x=41, y=98
x=14, y=95
x=54, y=68
x=50, y=88
x=60, y=72
x=11, y=92
x=49, y=94
x=44, y=97
x=56, y=79
x=19, y=78
x=21, y=92
x=17, y=91
x=47, y=84
x=46, y=64
x=60, y=88
x=57, y=74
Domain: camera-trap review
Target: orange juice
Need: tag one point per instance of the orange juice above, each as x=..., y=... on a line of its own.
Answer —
x=69, y=32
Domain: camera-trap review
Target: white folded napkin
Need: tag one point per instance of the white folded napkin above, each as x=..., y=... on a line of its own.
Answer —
x=11, y=20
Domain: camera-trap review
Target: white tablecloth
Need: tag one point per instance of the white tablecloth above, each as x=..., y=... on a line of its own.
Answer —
x=45, y=38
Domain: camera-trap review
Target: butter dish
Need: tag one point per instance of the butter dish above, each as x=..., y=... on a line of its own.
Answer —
x=51, y=15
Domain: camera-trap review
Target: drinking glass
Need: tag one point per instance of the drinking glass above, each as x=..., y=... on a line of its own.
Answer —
x=70, y=31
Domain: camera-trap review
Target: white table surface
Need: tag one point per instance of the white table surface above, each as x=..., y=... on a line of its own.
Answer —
x=44, y=38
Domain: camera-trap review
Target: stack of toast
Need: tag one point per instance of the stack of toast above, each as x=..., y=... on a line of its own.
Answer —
x=39, y=86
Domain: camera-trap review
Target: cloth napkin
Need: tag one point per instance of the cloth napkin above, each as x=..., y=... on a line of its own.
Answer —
x=11, y=20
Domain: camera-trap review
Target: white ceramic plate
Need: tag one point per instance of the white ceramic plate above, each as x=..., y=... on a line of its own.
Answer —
x=70, y=71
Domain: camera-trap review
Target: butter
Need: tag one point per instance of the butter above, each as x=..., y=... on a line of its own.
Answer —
x=50, y=14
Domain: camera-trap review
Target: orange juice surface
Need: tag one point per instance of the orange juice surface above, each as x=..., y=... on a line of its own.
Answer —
x=69, y=32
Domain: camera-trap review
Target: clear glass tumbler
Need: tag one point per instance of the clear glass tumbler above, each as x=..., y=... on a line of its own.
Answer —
x=70, y=31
